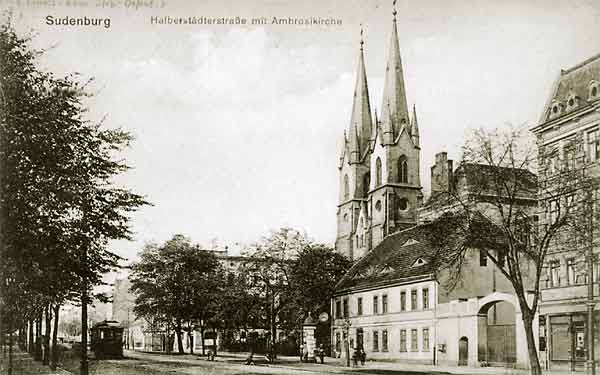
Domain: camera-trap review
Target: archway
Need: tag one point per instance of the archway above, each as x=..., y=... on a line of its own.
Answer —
x=463, y=351
x=497, y=334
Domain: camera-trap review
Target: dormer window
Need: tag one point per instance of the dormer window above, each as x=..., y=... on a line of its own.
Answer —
x=572, y=101
x=555, y=109
x=594, y=90
x=419, y=262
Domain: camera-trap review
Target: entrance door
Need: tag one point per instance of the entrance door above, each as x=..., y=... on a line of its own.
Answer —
x=501, y=343
x=463, y=351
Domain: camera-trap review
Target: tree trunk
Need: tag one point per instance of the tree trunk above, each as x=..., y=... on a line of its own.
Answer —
x=46, y=340
x=54, y=361
x=202, y=338
x=30, y=344
x=179, y=338
x=191, y=340
x=534, y=361
x=38, y=338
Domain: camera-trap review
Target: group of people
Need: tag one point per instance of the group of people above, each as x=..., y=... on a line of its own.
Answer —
x=359, y=355
x=318, y=353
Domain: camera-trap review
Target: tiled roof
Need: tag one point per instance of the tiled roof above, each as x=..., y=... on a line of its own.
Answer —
x=575, y=80
x=392, y=260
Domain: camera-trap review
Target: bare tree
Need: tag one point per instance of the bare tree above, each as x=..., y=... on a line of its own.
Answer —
x=515, y=219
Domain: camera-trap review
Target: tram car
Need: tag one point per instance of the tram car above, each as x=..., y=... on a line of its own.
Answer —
x=107, y=339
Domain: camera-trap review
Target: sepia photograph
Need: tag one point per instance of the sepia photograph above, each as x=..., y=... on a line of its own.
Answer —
x=383, y=187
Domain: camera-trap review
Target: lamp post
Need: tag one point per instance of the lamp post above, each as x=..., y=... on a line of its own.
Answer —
x=346, y=326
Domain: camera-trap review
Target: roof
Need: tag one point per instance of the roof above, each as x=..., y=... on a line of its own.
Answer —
x=575, y=80
x=476, y=178
x=390, y=261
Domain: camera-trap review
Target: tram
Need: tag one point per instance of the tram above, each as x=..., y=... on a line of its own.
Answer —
x=107, y=339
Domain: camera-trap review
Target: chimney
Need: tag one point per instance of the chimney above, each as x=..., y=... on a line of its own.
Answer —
x=441, y=174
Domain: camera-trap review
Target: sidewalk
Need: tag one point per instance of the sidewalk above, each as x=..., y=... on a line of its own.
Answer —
x=337, y=365
x=23, y=364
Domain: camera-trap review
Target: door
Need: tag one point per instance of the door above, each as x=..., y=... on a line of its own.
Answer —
x=359, y=338
x=463, y=351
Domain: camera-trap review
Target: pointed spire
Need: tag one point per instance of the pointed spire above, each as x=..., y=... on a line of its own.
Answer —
x=361, y=121
x=394, y=108
x=414, y=128
x=343, y=148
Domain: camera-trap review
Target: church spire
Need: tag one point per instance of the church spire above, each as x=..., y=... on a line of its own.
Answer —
x=414, y=128
x=394, y=108
x=361, y=121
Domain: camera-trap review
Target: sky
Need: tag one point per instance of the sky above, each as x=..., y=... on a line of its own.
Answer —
x=238, y=128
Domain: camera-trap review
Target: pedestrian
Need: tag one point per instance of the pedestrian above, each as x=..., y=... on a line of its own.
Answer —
x=321, y=353
x=301, y=352
x=355, y=357
x=363, y=356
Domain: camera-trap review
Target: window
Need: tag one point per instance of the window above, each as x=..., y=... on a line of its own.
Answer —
x=345, y=307
x=593, y=149
x=571, y=271
x=570, y=158
x=402, y=301
x=346, y=188
x=413, y=340
x=359, y=306
x=594, y=90
x=425, y=298
x=554, y=211
x=338, y=309
x=384, y=340
x=425, y=339
x=403, y=340
x=554, y=268
x=413, y=299
x=375, y=341
x=402, y=204
x=402, y=169
x=384, y=303
x=375, y=305
x=378, y=172
x=482, y=258
x=378, y=205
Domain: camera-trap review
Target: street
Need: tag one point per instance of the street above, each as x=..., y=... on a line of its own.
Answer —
x=148, y=363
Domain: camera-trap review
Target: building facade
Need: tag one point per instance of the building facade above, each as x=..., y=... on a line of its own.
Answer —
x=568, y=137
x=396, y=306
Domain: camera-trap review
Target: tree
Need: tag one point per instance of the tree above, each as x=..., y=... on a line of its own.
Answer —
x=493, y=217
x=177, y=284
x=60, y=205
x=269, y=271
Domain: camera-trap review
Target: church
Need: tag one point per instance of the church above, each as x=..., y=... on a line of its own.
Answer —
x=379, y=162
x=392, y=303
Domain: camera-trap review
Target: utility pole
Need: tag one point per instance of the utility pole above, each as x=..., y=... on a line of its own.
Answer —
x=591, y=365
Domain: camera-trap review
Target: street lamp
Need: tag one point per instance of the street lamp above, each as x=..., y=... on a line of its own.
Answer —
x=346, y=327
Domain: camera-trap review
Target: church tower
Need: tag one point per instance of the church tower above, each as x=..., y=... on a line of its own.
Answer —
x=395, y=191
x=354, y=165
x=380, y=186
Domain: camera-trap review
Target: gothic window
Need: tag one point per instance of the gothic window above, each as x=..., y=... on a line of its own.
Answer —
x=402, y=169
x=346, y=187
x=366, y=184
x=402, y=204
x=378, y=172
